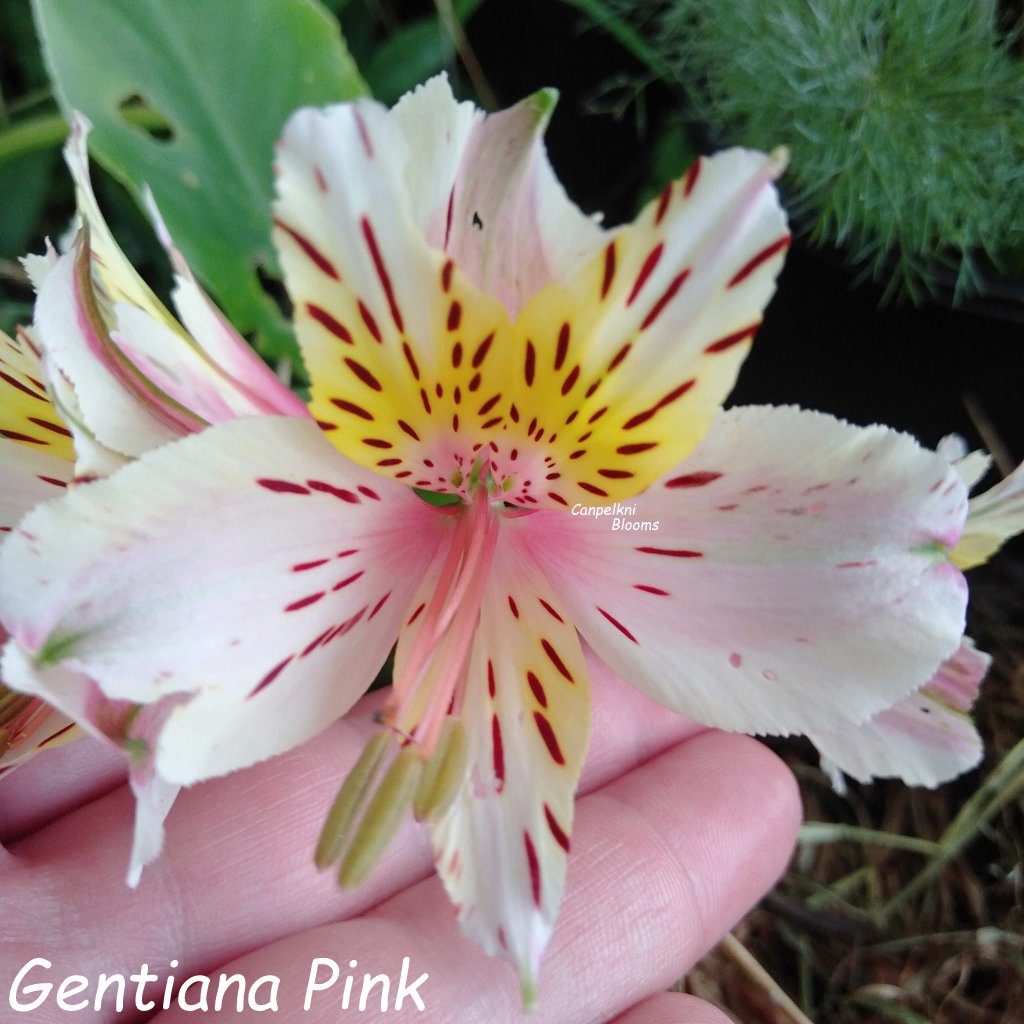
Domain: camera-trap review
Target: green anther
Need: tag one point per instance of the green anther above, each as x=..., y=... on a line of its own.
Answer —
x=382, y=817
x=350, y=800
x=442, y=774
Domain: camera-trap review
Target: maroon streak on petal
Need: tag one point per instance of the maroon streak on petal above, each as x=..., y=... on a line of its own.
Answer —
x=306, y=566
x=382, y=273
x=645, y=271
x=54, y=428
x=356, y=410
x=765, y=254
x=309, y=249
x=363, y=374
x=619, y=626
x=694, y=479
x=322, y=317
x=729, y=340
x=547, y=734
x=498, y=749
x=691, y=178
x=556, y=830
x=282, y=486
x=534, y=866
x=671, y=552
x=667, y=296
x=338, y=492
x=21, y=387
x=556, y=660
x=271, y=675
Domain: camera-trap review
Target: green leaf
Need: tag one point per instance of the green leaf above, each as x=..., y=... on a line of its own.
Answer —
x=189, y=98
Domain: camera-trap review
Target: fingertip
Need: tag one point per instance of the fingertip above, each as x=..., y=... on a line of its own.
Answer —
x=672, y=1008
x=753, y=829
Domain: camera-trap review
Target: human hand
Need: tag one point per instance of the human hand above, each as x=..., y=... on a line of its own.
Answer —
x=679, y=832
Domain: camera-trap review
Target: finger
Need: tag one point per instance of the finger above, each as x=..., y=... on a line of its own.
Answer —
x=667, y=859
x=55, y=782
x=672, y=1008
x=237, y=868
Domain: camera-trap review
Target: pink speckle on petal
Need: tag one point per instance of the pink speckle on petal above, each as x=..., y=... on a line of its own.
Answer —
x=735, y=660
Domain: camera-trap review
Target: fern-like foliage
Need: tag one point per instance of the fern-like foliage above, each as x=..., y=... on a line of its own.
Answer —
x=905, y=119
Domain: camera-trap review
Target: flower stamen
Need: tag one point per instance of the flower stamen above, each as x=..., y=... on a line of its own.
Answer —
x=428, y=681
x=376, y=795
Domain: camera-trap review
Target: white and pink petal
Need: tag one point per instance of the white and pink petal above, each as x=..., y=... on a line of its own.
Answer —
x=115, y=402
x=218, y=562
x=405, y=356
x=494, y=206
x=926, y=739
x=790, y=576
x=619, y=370
x=502, y=847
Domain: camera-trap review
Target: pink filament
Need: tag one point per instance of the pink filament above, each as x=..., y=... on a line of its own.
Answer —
x=439, y=655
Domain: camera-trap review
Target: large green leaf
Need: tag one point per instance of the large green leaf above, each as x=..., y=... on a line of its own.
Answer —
x=217, y=79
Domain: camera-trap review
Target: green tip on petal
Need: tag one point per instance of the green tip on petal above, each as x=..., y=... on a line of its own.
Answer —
x=529, y=992
x=544, y=102
x=934, y=548
x=57, y=647
x=136, y=749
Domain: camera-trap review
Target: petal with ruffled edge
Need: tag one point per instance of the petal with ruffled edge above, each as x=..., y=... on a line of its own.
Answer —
x=796, y=580
x=395, y=339
x=239, y=561
x=502, y=848
x=113, y=397
x=482, y=190
x=925, y=739
x=140, y=378
x=618, y=374
x=26, y=412
x=119, y=280
x=92, y=458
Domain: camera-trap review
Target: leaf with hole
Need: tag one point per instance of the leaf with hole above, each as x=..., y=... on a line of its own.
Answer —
x=190, y=98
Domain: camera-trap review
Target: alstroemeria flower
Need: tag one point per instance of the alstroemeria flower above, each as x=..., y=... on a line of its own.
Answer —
x=106, y=375
x=468, y=331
